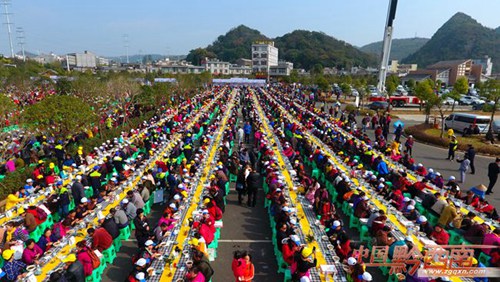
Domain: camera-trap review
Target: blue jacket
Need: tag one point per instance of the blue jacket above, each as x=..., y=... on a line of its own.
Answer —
x=382, y=168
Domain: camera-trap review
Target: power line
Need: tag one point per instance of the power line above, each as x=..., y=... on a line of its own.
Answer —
x=21, y=40
x=5, y=4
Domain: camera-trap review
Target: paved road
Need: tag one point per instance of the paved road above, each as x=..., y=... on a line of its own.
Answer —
x=435, y=157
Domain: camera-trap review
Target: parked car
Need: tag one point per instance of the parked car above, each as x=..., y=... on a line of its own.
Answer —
x=448, y=101
x=478, y=107
x=470, y=100
x=496, y=126
x=378, y=105
x=461, y=122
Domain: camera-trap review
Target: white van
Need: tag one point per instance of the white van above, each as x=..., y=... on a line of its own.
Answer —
x=460, y=122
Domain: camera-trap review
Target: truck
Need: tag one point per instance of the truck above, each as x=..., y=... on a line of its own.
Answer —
x=398, y=101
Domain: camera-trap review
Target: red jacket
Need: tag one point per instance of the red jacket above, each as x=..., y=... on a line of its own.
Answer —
x=86, y=261
x=288, y=253
x=442, y=237
x=101, y=239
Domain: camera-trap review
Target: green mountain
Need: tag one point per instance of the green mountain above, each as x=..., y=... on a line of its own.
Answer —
x=308, y=48
x=303, y=48
x=230, y=47
x=400, y=48
x=461, y=37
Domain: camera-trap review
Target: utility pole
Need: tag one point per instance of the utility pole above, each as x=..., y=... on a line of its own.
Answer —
x=20, y=40
x=126, y=45
x=5, y=4
x=387, y=42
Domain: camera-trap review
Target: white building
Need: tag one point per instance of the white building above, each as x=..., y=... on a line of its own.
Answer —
x=216, y=67
x=264, y=55
x=486, y=63
x=85, y=60
x=282, y=69
x=240, y=70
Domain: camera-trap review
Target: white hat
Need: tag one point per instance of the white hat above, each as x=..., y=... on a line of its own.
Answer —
x=293, y=221
x=125, y=201
x=406, y=199
x=452, y=177
x=365, y=198
x=141, y=262
x=144, y=178
x=381, y=185
x=422, y=218
x=140, y=276
x=431, y=170
x=381, y=179
x=177, y=197
x=351, y=261
x=367, y=276
x=295, y=239
x=410, y=207
x=409, y=239
x=78, y=177
x=305, y=279
x=438, y=173
x=336, y=224
x=29, y=180
x=172, y=205
x=373, y=177
x=84, y=200
x=278, y=190
x=420, y=165
x=149, y=243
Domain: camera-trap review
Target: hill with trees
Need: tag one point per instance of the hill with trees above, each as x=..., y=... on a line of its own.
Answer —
x=461, y=37
x=400, y=48
x=304, y=48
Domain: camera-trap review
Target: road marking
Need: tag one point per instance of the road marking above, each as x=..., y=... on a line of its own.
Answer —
x=245, y=241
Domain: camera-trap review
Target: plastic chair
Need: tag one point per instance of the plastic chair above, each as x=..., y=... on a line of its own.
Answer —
x=364, y=235
x=484, y=259
x=315, y=173
x=233, y=177
x=455, y=238
x=354, y=222
x=124, y=233
x=109, y=254
x=117, y=243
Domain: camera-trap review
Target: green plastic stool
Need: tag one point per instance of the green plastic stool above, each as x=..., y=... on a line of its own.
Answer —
x=364, y=235
x=109, y=254
x=484, y=259
x=232, y=177
x=124, y=233
x=117, y=243
x=354, y=222
x=455, y=238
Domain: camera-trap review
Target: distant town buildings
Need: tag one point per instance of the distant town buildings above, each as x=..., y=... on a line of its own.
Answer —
x=401, y=69
x=449, y=71
x=84, y=61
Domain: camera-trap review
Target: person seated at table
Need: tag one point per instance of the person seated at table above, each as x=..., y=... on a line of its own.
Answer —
x=92, y=204
x=421, y=170
x=140, y=267
x=200, y=260
x=439, y=235
x=197, y=242
x=448, y=214
x=439, y=205
x=362, y=209
x=305, y=259
x=30, y=222
x=12, y=268
x=81, y=209
x=424, y=225
x=32, y=252
x=378, y=223
x=342, y=246
x=356, y=269
x=383, y=237
x=476, y=233
x=411, y=213
x=149, y=252
x=84, y=258
x=46, y=240
x=73, y=269
x=135, y=198
x=101, y=239
x=486, y=208
x=398, y=200
x=214, y=211
x=12, y=200
x=438, y=180
x=205, y=231
x=290, y=246
x=129, y=208
x=60, y=228
x=471, y=199
x=15, y=232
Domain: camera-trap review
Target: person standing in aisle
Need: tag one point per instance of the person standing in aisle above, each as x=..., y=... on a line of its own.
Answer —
x=253, y=183
x=471, y=152
x=452, y=147
x=493, y=170
x=464, y=166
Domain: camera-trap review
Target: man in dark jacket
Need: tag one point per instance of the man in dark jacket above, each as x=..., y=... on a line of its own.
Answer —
x=472, y=154
x=493, y=170
x=201, y=262
x=110, y=225
x=253, y=183
x=77, y=189
x=74, y=269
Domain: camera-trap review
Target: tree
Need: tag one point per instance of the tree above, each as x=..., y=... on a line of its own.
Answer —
x=317, y=69
x=322, y=83
x=461, y=86
x=91, y=90
x=294, y=76
x=424, y=91
x=491, y=90
x=63, y=86
x=196, y=56
x=439, y=103
x=410, y=84
x=59, y=116
x=121, y=91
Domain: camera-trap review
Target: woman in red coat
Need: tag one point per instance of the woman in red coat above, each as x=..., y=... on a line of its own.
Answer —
x=84, y=258
x=290, y=248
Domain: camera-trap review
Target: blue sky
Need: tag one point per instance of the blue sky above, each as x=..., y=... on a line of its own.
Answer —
x=175, y=27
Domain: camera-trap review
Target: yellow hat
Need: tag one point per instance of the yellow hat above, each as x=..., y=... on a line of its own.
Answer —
x=212, y=176
x=40, y=162
x=69, y=258
x=306, y=252
x=39, y=176
x=206, y=201
x=219, y=163
x=51, y=165
x=184, y=194
x=7, y=254
x=80, y=148
x=360, y=166
x=80, y=152
x=194, y=242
